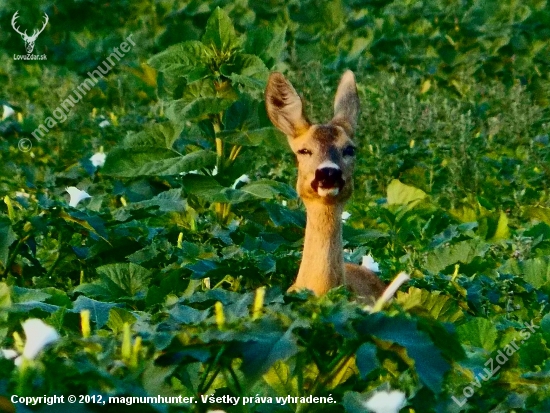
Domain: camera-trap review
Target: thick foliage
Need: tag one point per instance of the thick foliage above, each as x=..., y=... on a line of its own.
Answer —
x=182, y=262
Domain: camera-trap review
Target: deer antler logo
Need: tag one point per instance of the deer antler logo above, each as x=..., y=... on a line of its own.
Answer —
x=29, y=40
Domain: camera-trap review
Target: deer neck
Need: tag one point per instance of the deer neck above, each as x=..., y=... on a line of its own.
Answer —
x=322, y=266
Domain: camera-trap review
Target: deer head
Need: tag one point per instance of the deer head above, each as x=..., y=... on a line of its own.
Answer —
x=29, y=40
x=325, y=152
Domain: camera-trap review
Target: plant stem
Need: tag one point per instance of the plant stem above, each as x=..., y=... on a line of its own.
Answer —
x=202, y=386
x=235, y=379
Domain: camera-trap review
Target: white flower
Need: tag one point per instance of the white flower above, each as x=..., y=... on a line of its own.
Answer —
x=104, y=124
x=345, y=216
x=283, y=202
x=243, y=178
x=215, y=170
x=19, y=194
x=369, y=263
x=386, y=402
x=194, y=171
x=8, y=111
x=76, y=195
x=98, y=159
x=38, y=335
x=8, y=354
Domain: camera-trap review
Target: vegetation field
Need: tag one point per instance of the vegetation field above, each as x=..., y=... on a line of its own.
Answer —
x=169, y=277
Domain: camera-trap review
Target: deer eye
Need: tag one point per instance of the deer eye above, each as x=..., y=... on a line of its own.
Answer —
x=304, y=151
x=349, y=151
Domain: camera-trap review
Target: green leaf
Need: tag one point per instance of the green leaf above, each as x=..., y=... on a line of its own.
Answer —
x=280, y=379
x=264, y=136
x=92, y=223
x=5, y=296
x=267, y=189
x=479, y=332
x=267, y=43
x=21, y=295
x=220, y=32
x=537, y=212
x=366, y=360
x=122, y=162
x=7, y=237
x=464, y=252
x=282, y=216
x=118, y=281
x=157, y=135
x=179, y=60
x=260, y=354
x=201, y=185
x=430, y=364
x=502, y=230
x=99, y=310
x=199, y=108
x=248, y=70
x=401, y=194
x=188, y=315
x=430, y=303
x=536, y=271
x=118, y=317
x=168, y=201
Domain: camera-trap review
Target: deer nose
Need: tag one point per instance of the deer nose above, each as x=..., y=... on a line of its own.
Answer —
x=328, y=177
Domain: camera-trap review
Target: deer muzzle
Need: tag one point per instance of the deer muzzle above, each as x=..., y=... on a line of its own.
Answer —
x=328, y=181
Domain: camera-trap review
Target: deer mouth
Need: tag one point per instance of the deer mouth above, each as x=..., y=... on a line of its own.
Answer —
x=328, y=189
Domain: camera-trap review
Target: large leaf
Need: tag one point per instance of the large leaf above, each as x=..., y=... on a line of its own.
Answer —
x=118, y=281
x=220, y=32
x=430, y=303
x=167, y=201
x=260, y=354
x=399, y=193
x=180, y=59
x=99, y=310
x=536, y=271
x=430, y=364
x=464, y=252
x=123, y=162
x=157, y=135
x=267, y=189
x=478, y=332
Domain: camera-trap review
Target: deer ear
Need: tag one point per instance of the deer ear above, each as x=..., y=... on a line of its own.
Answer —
x=346, y=104
x=284, y=106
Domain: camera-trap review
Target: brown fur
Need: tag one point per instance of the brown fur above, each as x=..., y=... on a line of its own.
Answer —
x=322, y=266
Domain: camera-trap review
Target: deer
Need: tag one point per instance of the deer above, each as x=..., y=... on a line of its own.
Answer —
x=325, y=156
x=29, y=40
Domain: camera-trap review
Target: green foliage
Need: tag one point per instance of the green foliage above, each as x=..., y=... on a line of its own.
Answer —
x=168, y=255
